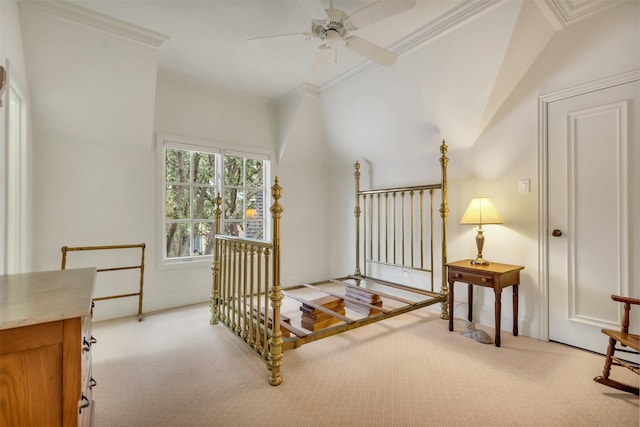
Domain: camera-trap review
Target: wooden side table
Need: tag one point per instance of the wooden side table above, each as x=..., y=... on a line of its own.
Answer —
x=494, y=275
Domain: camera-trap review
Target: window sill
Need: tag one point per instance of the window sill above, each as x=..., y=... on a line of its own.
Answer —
x=192, y=262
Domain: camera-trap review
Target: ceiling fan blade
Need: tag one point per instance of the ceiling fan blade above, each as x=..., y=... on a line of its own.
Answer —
x=371, y=51
x=379, y=10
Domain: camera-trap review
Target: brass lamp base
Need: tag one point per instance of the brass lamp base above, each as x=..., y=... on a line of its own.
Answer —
x=479, y=261
x=479, y=244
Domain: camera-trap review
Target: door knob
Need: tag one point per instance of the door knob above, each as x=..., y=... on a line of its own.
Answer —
x=556, y=233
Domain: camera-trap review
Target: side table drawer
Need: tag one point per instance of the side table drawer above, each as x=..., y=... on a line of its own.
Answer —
x=466, y=277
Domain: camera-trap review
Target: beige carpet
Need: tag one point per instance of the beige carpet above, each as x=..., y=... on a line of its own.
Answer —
x=174, y=369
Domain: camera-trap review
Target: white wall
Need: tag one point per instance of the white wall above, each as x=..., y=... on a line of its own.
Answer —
x=92, y=96
x=367, y=114
x=307, y=196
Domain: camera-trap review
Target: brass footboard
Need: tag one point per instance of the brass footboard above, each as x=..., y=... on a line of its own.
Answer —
x=247, y=292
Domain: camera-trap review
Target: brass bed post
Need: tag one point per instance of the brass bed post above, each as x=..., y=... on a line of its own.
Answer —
x=444, y=212
x=275, y=342
x=215, y=268
x=356, y=211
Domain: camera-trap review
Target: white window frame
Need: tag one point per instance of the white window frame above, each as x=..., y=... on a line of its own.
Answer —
x=164, y=141
x=16, y=159
x=265, y=177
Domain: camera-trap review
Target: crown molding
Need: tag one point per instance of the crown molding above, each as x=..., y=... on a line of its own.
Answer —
x=96, y=20
x=305, y=89
x=567, y=12
x=457, y=16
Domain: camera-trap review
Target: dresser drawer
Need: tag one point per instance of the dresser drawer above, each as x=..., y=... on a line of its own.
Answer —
x=473, y=278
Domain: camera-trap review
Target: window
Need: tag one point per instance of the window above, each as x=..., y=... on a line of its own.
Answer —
x=244, y=197
x=193, y=177
x=190, y=191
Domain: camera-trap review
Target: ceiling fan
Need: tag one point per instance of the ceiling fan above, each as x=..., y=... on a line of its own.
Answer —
x=338, y=25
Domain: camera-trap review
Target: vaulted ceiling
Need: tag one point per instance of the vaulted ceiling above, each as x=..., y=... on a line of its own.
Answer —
x=458, y=61
x=206, y=40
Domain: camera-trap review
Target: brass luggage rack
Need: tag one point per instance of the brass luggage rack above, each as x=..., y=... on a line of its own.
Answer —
x=139, y=294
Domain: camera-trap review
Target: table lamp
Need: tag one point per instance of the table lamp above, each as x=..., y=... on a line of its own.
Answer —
x=480, y=211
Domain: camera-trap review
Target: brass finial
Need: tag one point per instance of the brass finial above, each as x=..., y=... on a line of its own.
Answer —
x=276, y=192
x=444, y=159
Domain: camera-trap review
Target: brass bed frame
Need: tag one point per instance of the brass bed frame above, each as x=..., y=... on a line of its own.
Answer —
x=248, y=297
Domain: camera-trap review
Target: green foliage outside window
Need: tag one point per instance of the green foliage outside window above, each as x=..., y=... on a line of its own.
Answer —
x=190, y=190
x=244, y=197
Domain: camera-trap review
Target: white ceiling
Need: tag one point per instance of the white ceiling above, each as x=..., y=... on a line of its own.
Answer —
x=206, y=40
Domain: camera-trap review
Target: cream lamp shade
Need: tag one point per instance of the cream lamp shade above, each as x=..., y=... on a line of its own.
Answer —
x=480, y=211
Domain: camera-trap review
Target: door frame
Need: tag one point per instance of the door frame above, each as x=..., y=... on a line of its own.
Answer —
x=543, y=212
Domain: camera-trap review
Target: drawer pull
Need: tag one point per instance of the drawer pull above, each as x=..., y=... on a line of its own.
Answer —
x=485, y=279
x=457, y=275
x=84, y=403
x=92, y=383
x=86, y=345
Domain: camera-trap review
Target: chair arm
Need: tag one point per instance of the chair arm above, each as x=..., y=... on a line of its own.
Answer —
x=628, y=300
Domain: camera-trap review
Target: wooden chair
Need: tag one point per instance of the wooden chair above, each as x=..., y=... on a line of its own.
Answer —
x=632, y=341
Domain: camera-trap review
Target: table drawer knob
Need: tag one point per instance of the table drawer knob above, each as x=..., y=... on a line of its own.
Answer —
x=485, y=279
x=457, y=275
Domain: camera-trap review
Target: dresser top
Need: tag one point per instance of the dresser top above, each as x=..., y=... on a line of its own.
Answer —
x=45, y=296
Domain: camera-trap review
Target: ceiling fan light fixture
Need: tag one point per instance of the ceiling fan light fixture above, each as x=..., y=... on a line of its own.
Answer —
x=338, y=26
x=332, y=34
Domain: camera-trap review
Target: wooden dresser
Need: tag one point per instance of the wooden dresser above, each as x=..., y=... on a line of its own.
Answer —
x=45, y=348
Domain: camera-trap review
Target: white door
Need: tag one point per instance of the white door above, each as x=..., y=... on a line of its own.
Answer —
x=592, y=149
